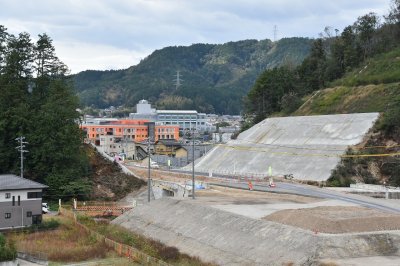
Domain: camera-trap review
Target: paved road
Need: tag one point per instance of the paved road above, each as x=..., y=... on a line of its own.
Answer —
x=392, y=206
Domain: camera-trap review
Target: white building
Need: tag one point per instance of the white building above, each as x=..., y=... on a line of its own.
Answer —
x=186, y=119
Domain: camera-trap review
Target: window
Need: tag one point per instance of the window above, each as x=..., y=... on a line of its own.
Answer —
x=13, y=201
x=8, y=215
x=28, y=214
x=8, y=195
x=36, y=219
x=34, y=195
x=19, y=200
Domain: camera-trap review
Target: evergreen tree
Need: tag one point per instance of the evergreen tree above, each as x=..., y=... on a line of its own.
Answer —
x=38, y=102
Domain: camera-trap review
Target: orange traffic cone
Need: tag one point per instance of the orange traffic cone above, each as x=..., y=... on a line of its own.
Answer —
x=250, y=186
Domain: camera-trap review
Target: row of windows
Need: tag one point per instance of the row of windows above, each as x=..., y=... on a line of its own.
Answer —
x=34, y=195
x=30, y=195
x=166, y=129
x=8, y=215
x=119, y=129
x=161, y=117
x=165, y=136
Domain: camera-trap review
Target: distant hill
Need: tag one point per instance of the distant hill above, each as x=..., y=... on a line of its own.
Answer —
x=215, y=77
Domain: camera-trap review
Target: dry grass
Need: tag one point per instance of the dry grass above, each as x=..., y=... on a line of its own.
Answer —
x=150, y=247
x=68, y=243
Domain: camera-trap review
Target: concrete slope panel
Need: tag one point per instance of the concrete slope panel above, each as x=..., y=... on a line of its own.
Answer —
x=308, y=147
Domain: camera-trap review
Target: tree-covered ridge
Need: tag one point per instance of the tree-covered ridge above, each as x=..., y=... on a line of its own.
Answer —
x=215, y=77
x=38, y=102
x=354, y=71
x=360, y=54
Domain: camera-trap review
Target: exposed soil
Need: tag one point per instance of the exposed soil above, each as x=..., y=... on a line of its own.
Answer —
x=244, y=197
x=337, y=219
x=109, y=182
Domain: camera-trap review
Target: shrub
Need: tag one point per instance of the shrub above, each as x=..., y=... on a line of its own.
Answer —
x=48, y=224
x=390, y=122
x=7, y=249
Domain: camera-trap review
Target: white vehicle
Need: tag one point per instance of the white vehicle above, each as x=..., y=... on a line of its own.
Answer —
x=45, y=208
x=154, y=165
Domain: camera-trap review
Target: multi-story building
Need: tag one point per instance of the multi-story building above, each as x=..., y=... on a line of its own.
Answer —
x=186, y=119
x=20, y=202
x=136, y=130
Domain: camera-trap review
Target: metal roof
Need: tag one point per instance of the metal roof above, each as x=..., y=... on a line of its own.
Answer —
x=11, y=182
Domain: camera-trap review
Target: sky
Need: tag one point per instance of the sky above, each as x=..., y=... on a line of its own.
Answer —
x=116, y=34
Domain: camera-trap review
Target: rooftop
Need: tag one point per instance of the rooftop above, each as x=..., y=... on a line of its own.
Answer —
x=10, y=182
x=176, y=111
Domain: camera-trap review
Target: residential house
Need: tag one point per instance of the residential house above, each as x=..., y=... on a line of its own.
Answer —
x=20, y=202
x=170, y=148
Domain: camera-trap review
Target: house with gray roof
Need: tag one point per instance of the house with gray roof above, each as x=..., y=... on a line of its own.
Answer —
x=20, y=202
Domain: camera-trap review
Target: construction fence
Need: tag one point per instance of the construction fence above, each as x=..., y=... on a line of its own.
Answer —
x=121, y=249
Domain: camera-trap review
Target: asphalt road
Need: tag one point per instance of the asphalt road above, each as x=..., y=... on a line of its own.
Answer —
x=392, y=206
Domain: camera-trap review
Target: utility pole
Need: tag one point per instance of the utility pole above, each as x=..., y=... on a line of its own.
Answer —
x=193, y=184
x=22, y=151
x=275, y=32
x=148, y=178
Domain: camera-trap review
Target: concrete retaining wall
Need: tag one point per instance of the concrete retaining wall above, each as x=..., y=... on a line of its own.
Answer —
x=230, y=239
x=306, y=146
x=219, y=236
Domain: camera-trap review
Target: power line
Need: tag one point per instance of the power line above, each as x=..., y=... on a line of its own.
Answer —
x=245, y=148
x=318, y=149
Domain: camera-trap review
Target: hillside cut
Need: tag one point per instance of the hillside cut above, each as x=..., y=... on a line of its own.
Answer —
x=309, y=147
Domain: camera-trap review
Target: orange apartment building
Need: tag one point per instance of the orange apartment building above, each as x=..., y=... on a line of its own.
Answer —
x=135, y=130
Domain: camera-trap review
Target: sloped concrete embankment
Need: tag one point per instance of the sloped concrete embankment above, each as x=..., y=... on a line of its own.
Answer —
x=219, y=236
x=359, y=245
x=308, y=147
x=230, y=239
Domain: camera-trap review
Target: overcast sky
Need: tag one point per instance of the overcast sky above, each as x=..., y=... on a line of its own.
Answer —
x=116, y=34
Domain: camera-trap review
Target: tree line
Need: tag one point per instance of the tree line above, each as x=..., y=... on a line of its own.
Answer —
x=38, y=102
x=332, y=55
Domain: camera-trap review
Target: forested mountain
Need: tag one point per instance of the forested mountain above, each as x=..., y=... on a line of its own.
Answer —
x=215, y=77
x=360, y=54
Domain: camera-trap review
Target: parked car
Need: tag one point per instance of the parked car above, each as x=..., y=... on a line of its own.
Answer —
x=45, y=208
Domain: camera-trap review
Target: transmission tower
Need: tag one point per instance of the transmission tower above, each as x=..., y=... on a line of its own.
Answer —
x=20, y=148
x=177, y=80
x=275, y=33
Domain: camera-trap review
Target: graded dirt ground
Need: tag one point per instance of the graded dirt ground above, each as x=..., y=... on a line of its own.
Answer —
x=223, y=195
x=337, y=219
x=314, y=214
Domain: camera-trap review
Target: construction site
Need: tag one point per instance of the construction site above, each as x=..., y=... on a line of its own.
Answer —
x=259, y=218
